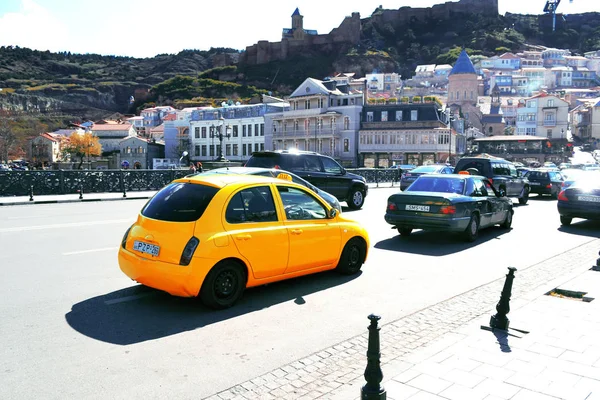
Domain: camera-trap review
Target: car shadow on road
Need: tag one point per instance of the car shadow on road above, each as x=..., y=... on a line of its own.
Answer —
x=139, y=313
x=437, y=243
x=583, y=227
x=539, y=197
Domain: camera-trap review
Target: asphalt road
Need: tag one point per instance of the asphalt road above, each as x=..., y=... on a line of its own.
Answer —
x=73, y=326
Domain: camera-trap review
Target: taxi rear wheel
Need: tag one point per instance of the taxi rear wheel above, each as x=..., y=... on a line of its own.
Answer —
x=223, y=285
x=352, y=257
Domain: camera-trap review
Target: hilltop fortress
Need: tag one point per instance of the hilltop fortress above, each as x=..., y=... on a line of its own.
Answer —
x=299, y=41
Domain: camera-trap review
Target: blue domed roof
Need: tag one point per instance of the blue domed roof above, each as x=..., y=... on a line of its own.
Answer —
x=463, y=65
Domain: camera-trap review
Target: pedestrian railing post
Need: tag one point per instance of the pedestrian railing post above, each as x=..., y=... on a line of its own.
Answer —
x=31, y=193
x=373, y=375
x=500, y=321
x=80, y=191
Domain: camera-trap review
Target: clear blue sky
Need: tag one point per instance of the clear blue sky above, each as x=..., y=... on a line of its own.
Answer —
x=144, y=28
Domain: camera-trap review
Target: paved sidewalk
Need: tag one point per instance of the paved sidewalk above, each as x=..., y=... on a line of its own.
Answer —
x=442, y=353
x=74, y=198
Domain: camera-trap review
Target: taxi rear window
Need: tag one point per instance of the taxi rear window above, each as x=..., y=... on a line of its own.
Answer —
x=180, y=202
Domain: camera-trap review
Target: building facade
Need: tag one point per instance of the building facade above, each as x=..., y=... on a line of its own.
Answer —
x=543, y=115
x=585, y=121
x=404, y=134
x=45, y=149
x=322, y=118
x=139, y=153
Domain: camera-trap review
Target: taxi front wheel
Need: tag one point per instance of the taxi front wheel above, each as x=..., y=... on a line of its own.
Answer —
x=352, y=257
x=223, y=285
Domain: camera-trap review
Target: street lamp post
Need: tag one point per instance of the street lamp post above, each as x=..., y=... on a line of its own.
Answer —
x=184, y=154
x=216, y=132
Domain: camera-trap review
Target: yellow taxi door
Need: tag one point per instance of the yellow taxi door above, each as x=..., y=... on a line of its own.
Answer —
x=259, y=236
x=314, y=239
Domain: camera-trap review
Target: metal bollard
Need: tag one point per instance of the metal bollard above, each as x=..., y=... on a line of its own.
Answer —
x=124, y=192
x=500, y=321
x=373, y=375
x=31, y=193
x=80, y=192
x=597, y=266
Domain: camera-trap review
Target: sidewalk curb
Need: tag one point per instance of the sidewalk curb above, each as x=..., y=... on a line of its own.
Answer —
x=23, y=203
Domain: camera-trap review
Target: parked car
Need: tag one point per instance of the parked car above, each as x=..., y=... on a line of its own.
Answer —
x=409, y=177
x=545, y=182
x=455, y=203
x=501, y=173
x=580, y=200
x=214, y=235
x=320, y=170
x=275, y=173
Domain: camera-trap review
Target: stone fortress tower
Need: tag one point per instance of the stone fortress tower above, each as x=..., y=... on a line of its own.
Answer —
x=463, y=89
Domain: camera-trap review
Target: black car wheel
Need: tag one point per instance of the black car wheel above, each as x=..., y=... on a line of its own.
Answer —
x=223, y=285
x=404, y=231
x=472, y=230
x=524, y=196
x=356, y=199
x=352, y=257
x=565, y=220
x=508, y=220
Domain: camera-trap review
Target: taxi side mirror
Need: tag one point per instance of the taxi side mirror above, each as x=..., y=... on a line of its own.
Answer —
x=333, y=213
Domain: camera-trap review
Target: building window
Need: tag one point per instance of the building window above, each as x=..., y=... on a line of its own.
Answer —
x=262, y=147
x=256, y=131
x=249, y=130
x=551, y=103
x=212, y=150
x=249, y=149
x=346, y=146
x=321, y=103
x=227, y=149
x=346, y=123
x=307, y=104
x=295, y=125
x=451, y=96
x=398, y=115
x=196, y=151
x=243, y=149
x=203, y=150
x=203, y=132
x=256, y=147
x=262, y=129
x=413, y=115
x=243, y=130
x=235, y=131
x=384, y=116
x=370, y=116
x=197, y=132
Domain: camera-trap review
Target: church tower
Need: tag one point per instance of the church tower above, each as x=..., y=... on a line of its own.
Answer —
x=463, y=89
x=297, y=20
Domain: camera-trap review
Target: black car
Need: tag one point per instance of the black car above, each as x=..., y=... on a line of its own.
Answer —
x=455, y=203
x=545, y=182
x=411, y=176
x=320, y=170
x=501, y=173
x=580, y=200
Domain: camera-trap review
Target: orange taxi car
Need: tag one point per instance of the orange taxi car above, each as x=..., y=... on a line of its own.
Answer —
x=212, y=236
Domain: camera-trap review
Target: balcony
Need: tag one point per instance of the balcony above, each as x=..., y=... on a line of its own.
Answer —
x=305, y=133
x=549, y=122
x=311, y=112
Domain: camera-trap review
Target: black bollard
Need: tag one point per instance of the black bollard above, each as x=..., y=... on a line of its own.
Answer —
x=597, y=266
x=124, y=192
x=80, y=191
x=500, y=321
x=31, y=193
x=373, y=375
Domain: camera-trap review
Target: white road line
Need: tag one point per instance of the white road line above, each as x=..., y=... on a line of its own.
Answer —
x=67, y=225
x=71, y=253
x=129, y=298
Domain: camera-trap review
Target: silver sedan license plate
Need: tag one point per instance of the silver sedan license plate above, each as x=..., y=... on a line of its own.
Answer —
x=411, y=207
x=146, y=248
x=594, y=199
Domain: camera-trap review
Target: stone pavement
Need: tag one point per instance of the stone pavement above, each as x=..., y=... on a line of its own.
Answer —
x=441, y=352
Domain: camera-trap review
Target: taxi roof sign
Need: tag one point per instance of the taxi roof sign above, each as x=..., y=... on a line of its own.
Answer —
x=284, y=176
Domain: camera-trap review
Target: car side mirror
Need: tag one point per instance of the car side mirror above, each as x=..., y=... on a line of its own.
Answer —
x=333, y=213
x=343, y=171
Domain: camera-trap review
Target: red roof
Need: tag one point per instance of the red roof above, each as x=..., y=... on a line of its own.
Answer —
x=170, y=117
x=50, y=136
x=111, y=127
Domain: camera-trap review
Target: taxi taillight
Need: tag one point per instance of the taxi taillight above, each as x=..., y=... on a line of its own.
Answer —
x=188, y=251
x=549, y=186
x=125, y=236
x=392, y=206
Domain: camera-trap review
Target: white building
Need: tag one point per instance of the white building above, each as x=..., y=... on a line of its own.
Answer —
x=543, y=115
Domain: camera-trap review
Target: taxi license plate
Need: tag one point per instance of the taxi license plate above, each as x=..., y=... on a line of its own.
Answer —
x=410, y=207
x=146, y=248
x=535, y=183
x=594, y=199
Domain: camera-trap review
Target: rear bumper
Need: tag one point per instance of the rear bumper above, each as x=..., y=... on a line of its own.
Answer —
x=428, y=223
x=177, y=280
x=570, y=210
x=540, y=189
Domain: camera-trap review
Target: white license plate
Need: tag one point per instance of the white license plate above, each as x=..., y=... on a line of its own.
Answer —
x=594, y=199
x=410, y=207
x=146, y=248
x=535, y=183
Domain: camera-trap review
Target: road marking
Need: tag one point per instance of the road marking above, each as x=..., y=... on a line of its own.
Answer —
x=67, y=225
x=71, y=253
x=129, y=298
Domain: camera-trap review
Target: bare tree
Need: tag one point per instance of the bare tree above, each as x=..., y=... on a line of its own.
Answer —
x=8, y=138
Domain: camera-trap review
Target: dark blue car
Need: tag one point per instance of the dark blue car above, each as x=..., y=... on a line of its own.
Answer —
x=580, y=200
x=454, y=203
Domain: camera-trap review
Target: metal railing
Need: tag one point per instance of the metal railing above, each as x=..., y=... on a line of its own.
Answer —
x=55, y=182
